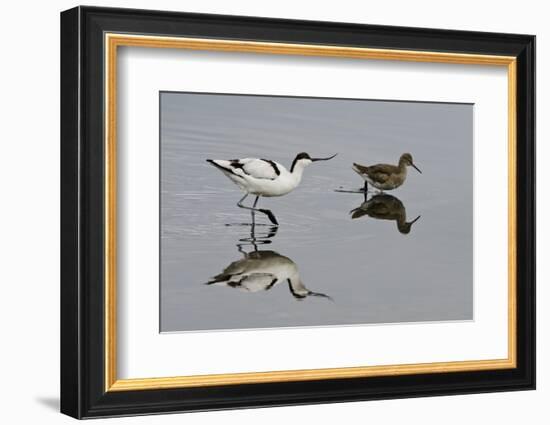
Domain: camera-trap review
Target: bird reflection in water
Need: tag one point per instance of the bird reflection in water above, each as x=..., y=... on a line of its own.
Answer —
x=385, y=207
x=261, y=270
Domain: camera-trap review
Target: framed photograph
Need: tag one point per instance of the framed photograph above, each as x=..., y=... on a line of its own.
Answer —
x=261, y=212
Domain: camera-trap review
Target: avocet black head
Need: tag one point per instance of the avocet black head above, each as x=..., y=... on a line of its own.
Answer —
x=304, y=159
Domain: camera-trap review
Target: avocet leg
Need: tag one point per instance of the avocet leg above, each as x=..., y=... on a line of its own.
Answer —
x=240, y=203
x=269, y=214
x=253, y=212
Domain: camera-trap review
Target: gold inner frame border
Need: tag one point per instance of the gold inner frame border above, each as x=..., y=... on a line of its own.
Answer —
x=113, y=40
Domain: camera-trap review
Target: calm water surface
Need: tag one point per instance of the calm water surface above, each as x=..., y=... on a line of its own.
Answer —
x=356, y=270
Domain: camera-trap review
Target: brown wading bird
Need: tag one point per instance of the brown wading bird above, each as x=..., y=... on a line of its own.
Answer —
x=385, y=176
x=385, y=207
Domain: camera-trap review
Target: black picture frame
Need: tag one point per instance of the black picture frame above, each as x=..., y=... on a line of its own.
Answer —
x=83, y=392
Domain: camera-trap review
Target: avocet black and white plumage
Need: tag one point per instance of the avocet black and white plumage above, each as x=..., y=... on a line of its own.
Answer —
x=264, y=177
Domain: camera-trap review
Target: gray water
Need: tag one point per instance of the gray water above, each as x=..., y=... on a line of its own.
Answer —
x=367, y=269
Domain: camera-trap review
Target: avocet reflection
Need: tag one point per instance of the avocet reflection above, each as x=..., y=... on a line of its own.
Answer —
x=262, y=270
